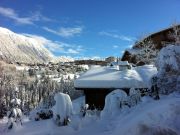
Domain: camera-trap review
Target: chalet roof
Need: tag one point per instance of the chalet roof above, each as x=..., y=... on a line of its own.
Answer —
x=110, y=77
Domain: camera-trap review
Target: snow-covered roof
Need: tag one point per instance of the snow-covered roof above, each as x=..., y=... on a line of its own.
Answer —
x=108, y=77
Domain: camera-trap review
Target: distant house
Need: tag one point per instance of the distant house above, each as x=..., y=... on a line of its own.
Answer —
x=110, y=59
x=123, y=65
x=99, y=81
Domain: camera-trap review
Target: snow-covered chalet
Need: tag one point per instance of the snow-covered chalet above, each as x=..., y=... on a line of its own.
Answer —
x=99, y=81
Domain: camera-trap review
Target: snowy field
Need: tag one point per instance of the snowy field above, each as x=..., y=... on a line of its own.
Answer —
x=147, y=118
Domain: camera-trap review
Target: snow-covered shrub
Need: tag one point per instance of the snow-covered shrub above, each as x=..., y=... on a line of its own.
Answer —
x=84, y=110
x=43, y=114
x=94, y=112
x=134, y=97
x=14, y=117
x=154, y=90
x=62, y=109
x=3, y=109
x=15, y=102
x=114, y=101
x=168, y=64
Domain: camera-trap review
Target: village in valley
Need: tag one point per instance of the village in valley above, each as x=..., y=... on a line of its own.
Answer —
x=135, y=93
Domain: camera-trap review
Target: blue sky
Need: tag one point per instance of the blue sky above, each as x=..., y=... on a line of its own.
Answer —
x=88, y=28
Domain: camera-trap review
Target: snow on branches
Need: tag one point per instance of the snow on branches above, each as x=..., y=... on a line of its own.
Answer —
x=168, y=64
x=148, y=52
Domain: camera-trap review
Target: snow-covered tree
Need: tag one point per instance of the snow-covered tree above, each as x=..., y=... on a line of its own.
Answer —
x=62, y=109
x=175, y=34
x=147, y=53
x=15, y=113
x=168, y=64
x=134, y=97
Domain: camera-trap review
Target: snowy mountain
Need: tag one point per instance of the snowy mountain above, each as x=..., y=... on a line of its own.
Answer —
x=63, y=59
x=23, y=48
x=19, y=48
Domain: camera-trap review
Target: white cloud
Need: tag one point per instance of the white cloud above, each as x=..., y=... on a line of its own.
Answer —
x=113, y=35
x=66, y=32
x=115, y=46
x=72, y=51
x=12, y=14
x=37, y=16
x=56, y=46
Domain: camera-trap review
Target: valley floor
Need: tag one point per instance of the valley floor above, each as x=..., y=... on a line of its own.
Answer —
x=147, y=118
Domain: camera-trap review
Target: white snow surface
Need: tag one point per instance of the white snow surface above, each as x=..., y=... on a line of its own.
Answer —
x=63, y=106
x=109, y=77
x=147, y=117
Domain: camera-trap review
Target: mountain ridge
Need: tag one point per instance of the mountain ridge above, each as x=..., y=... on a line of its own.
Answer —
x=24, y=49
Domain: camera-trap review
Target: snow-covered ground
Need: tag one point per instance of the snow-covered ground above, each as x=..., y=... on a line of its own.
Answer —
x=147, y=118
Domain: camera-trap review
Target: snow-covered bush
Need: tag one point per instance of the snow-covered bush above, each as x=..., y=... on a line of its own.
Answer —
x=14, y=115
x=62, y=109
x=84, y=110
x=134, y=97
x=168, y=64
x=43, y=114
x=113, y=102
x=15, y=102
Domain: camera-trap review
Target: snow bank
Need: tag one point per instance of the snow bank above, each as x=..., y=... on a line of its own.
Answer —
x=147, y=118
x=63, y=106
x=151, y=117
x=107, y=77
